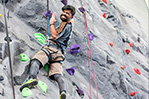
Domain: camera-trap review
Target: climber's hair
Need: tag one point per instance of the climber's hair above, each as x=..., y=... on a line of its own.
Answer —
x=69, y=7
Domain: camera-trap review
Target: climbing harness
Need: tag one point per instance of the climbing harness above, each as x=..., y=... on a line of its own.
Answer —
x=9, y=53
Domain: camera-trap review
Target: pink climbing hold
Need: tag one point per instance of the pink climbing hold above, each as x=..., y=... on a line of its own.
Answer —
x=133, y=93
x=105, y=1
x=137, y=71
x=111, y=44
x=104, y=15
x=127, y=51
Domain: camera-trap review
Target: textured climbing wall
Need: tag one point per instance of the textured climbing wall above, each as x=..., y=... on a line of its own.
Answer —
x=27, y=17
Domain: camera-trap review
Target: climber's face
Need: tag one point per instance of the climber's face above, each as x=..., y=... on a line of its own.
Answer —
x=66, y=15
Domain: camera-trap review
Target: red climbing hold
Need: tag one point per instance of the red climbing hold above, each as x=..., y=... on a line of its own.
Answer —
x=111, y=44
x=127, y=51
x=130, y=44
x=104, y=15
x=137, y=71
x=133, y=93
x=123, y=67
x=105, y=1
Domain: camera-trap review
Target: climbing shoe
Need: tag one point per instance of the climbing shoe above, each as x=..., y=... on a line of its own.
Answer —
x=29, y=84
x=63, y=95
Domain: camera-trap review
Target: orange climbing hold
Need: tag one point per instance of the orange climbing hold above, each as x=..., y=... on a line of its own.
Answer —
x=127, y=51
x=133, y=93
x=130, y=44
x=123, y=67
x=105, y=1
x=137, y=71
x=104, y=15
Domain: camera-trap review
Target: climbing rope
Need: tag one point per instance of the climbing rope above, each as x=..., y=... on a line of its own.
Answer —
x=48, y=18
x=9, y=54
x=89, y=54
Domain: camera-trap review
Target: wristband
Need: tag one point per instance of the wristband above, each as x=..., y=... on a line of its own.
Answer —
x=52, y=24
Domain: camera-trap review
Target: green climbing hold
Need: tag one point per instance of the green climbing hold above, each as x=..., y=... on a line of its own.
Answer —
x=26, y=92
x=43, y=86
x=40, y=37
x=24, y=57
x=46, y=66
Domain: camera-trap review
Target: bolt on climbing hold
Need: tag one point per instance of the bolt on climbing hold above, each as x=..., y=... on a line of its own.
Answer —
x=133, y=93
x=111, y=44
x=130, y=44
x=64, y=2
x=91, y=36
x=104, y=15
x=26, y=92
x=71, y=71
x=137, y=71
x=43, y=86
x=48, y=13
x=24, y=57
x=123, y=67
x=75, y=48
x=0, y=15
x=105, y=1
x=81, y=9
x=40, y=37
x=127, y=51
x=80, y=92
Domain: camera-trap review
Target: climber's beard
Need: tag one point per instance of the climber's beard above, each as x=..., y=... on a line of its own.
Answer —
x=64, y=18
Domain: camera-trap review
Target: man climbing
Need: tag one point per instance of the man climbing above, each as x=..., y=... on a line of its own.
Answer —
x=53, y=52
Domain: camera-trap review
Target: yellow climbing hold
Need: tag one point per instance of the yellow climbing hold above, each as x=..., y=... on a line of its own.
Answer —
x=0, y=15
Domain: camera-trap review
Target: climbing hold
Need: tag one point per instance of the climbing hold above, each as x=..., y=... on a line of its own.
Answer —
x=64, y=2
x=81, y=9
x=80, y=92
x=137, y=71
x=48, y=13
x=1, y=78
x=133, y=93
x=71, y=71
x=104, y=15
x=43, y=86
x=24, y=57
x=40, y=37
x=130, y=44
x=123, y=67
x=0, y=15
x=127, y=51
x=26, y=92
x=75, y=48
x=46, y=66
x=111, y=44
x=105, y=1
x=91, y=36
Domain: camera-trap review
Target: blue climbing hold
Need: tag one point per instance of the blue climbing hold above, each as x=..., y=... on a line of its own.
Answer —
x=75, y=48
x=71, y=71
